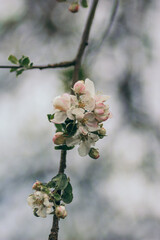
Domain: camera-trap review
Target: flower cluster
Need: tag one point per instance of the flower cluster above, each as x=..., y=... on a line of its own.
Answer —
x=48, y=196
x=79, y=118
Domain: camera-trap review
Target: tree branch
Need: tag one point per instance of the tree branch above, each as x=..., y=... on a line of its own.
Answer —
x=55, y=65
x=84, y=41
x=55, y=225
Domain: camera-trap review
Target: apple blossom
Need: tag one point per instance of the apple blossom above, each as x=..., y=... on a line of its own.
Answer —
x=40, y=201
x=81, y=116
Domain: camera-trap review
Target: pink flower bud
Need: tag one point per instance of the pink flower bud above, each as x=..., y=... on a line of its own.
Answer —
x=79, y=87
x=36, y=185
x=58, y=138
x=61, y=212
x=74, y=7
x=94, y=153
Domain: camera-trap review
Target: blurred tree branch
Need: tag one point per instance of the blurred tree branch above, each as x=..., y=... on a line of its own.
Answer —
x=55, y=65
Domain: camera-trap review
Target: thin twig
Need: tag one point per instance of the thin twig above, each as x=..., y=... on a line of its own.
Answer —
x=55, y=225
x=55, y=65
x=84, y=41
x=106, y=33
x=111, y=21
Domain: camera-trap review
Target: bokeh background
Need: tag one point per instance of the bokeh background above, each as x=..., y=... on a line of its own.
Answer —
x=117, y=196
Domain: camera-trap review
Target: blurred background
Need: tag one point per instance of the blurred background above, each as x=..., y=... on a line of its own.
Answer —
x=117, y=196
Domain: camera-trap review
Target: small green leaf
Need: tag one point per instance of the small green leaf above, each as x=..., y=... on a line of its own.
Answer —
x=35, y=212
x=24, y=61
x=50, y=117
x=61, y=181
x=84, y=3
x=63, y=147
x=13, y=69
x=67, y=195
x=51, y=184
x=13, y=59
x=57, y=197
x=58, y=127
x=31, y=64
x=18, y=72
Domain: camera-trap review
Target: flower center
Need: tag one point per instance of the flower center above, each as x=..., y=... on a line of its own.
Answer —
x=81, y=105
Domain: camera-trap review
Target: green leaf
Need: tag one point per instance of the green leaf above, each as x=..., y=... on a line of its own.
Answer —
x=84, y=3
x=35, y=212
x=13, y=59
x=18, y=72
x=50, y=117
x=13, y=69
x=63, y=147
x=71, y=129
x=67, y=195
x=61, y=181
x=58, y=127
x=51, y=184
x=57, y=197
x=24, y=61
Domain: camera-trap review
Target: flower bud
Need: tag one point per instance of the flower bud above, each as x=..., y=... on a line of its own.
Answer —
x=58, y=138
x=102, y=132
x=94, y=153
x=74, y=7
x=37, y=185
x=61, y=211
x=79, y=87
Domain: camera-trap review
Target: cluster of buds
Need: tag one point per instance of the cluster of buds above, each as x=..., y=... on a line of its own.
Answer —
x=42, y=202
x=80, y=118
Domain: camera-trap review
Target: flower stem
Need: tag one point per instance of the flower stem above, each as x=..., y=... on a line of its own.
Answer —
x=84, y=42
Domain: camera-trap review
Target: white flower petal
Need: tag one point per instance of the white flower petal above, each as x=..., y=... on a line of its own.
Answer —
x=84, y=148
x=79, y=113
x=89, y=86
x=42, y=212
x=69, y=114
x=59, y=117
x=88, y=101
x=83, y=130
x=30, y=201
x=73, y=141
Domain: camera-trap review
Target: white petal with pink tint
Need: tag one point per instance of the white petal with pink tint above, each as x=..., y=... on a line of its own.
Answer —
x=59, y=117
x=89, y=86
x=78, y=112
x=62, y=102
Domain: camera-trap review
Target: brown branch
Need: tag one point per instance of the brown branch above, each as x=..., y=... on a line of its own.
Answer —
x=84, y=41
x=55, y=65
x=55, y=225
